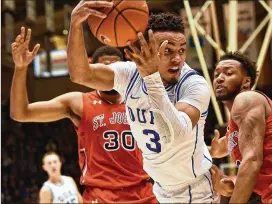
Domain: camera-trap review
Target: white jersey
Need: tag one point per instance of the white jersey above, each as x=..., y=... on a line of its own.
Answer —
x=65, y=192
x=170, y=159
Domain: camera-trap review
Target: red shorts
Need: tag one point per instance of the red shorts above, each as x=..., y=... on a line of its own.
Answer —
x=141, y=193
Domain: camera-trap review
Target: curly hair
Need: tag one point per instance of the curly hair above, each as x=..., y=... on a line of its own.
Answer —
x=165, y=22
x=248, y=65
x=106, y=50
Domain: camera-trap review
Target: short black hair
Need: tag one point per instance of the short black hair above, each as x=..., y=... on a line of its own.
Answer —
x=247, y=64
x=50, y=153
x=165, y=22
x=106, y=50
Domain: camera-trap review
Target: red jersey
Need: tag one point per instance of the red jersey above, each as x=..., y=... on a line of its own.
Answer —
x=264, y=182
x=108, y=155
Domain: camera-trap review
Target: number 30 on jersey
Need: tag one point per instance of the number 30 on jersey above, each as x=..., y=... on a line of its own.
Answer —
x=127, y=141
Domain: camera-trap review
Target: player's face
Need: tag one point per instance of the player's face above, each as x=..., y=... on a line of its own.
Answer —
x=174, y=55
x=229, y=78
x=52, y=165
x=107, y=59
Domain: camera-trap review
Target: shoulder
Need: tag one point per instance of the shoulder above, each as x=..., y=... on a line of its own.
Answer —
x=120, y=65
x=190, y=76
x=69, y=178
x=45, y=195
x=248, y=99
x=248, y=102
x=45, y=191
x=70, y=96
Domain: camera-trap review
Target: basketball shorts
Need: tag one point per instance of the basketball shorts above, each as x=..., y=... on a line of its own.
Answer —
x=141, y=193
x=200, y=191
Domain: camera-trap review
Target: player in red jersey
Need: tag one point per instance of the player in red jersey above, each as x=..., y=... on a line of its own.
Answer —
x=249, y=136
x=110, y=161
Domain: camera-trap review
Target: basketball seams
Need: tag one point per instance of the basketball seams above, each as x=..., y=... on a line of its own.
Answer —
x=115, y=12
x=115, y=33
x=133, y=9
x=121, y=13
x=106, y=18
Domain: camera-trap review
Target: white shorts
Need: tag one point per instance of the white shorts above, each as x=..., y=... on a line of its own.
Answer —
x=201, y=191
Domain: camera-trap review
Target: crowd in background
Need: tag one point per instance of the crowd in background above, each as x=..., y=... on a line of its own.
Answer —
x=23, y=145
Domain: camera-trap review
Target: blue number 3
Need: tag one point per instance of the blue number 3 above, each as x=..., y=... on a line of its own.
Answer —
x=155, y=140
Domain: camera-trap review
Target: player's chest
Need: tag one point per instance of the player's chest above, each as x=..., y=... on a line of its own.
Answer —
x=107, y=119
x=64, y=195
x=137, y=95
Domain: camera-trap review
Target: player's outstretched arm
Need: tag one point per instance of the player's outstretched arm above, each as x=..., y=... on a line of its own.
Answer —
x=45, y=195
x=20, y=109
x=96, y=76
x=80, y=199
x=248, y=112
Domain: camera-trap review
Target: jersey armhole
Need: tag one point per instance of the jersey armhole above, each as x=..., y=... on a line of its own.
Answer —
x=83, y=116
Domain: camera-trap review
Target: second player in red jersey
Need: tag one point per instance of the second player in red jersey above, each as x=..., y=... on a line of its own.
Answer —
x=108, y=154
x=264, y=180
x=249, y=136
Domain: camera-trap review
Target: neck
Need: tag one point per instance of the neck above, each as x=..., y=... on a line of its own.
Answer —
x=114, y=99
x=228, y=104
x=55, y=178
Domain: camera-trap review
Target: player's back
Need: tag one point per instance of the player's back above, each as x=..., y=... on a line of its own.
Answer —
x=108, y=155
x=64, y=192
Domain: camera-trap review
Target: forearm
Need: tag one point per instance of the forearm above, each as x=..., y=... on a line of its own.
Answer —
x=246, y=181
x=18, y=94
x=77, y=57
x=159, y=100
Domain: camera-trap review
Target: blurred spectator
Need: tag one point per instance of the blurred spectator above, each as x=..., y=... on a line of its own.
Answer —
x=22, y=148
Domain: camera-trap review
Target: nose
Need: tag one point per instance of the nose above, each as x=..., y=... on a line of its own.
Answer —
x=177, y=59
x=220, y=78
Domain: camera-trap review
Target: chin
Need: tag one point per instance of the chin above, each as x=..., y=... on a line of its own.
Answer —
x=172, y=81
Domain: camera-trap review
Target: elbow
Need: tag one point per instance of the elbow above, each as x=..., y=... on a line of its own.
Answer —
x=254, y=164
x=75, y=78
x=75, y=75
x=17, y=117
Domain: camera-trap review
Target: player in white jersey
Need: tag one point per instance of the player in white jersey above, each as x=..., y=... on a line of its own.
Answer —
x=166, y=103
x=58, y=188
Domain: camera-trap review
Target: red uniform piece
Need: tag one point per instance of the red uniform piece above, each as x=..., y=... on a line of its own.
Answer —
x=264, y=181
x=110, y=161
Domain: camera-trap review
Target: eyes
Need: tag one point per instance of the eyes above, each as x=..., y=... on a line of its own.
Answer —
x=169, y=51
x=228, y=73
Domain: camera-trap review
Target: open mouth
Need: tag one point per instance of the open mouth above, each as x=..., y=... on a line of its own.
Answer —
x=220, y=87
x=173, y=70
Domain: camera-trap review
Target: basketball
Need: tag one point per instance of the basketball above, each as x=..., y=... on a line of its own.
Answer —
x=124, y=20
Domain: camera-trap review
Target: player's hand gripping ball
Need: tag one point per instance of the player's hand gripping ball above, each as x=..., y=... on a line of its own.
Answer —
x=124, y=20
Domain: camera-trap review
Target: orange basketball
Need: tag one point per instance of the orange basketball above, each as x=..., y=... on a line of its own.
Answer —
x=124, y=20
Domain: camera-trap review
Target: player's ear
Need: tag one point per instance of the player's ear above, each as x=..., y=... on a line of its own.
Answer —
x=44, y=167
x=247, y=83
